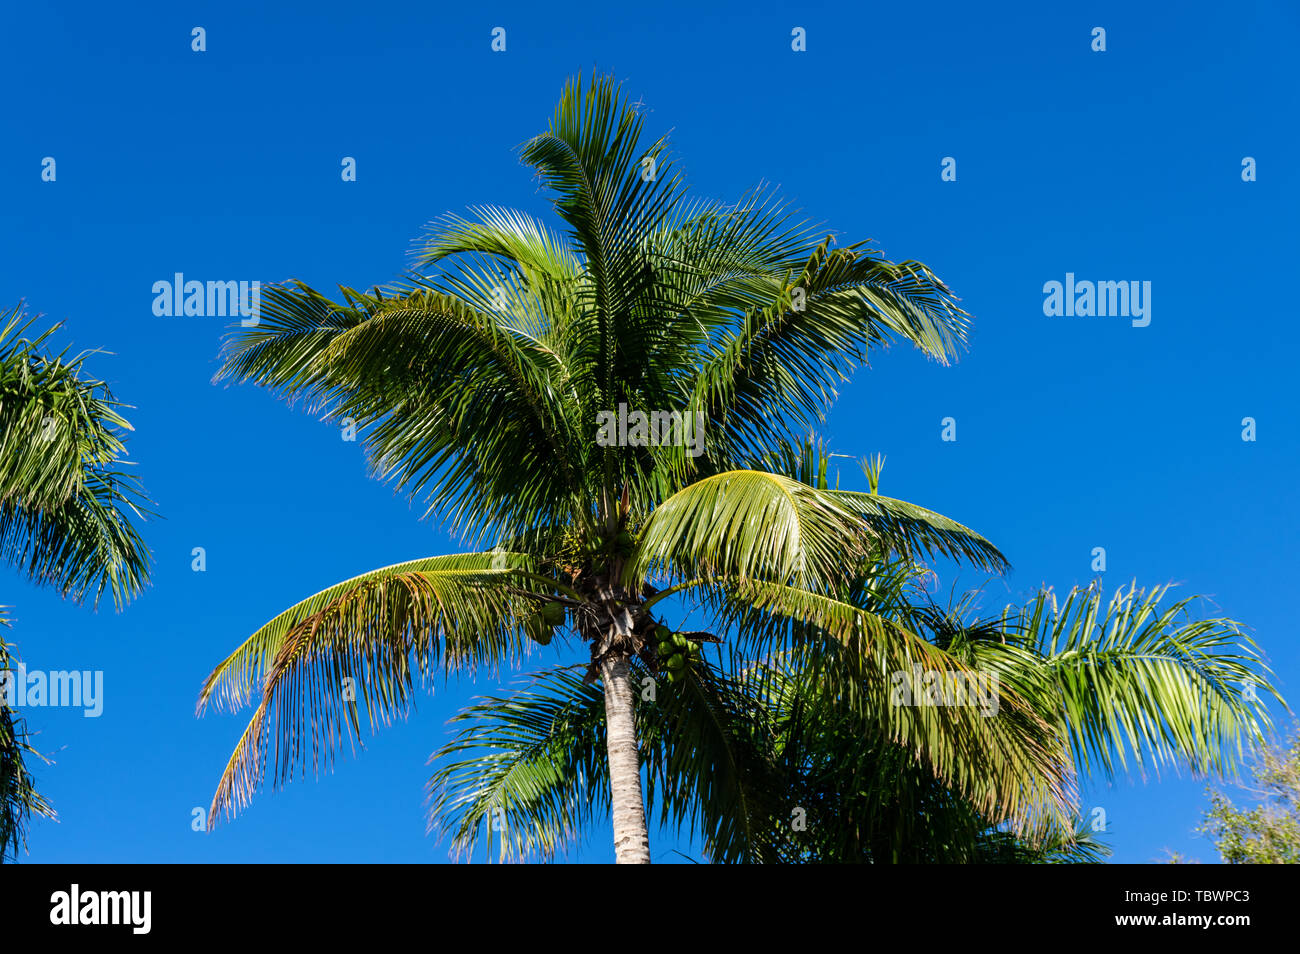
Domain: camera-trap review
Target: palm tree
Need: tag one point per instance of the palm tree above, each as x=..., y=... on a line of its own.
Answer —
x=745, y=741
x=66, y=509
x=479, y=384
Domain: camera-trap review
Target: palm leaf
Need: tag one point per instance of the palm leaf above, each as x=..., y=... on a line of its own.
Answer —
x=66, y=505
x=373, y=638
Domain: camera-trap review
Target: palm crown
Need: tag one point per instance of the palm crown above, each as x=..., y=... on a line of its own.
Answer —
x=478, y=383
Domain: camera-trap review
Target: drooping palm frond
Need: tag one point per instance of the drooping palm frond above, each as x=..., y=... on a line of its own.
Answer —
x=19, y=800
x=710, y=769
x=66, y=504
x=1139, y=678
x=913, y=532
x=899, y=528
x=834, y=785
x=760, y=761
x=992, y=748
x=471, y=414
x=66, y=516
x=373, y=638
x=776, y=375
x=530, y=765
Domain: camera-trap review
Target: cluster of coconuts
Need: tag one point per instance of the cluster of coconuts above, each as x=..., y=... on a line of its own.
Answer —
x=541, y=625
x=598, y=549
x=676, y=652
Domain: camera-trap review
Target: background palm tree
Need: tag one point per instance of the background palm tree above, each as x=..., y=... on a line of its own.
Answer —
x=66, y=511
x=479, y=386
x=793, y=756
x=19, y=800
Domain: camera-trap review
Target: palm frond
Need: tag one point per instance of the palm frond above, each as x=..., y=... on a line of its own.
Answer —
x=530, y=765
x=1134, y=679
x=748, y=525
x=67, y=505
x=990, y=746
x=900, y=527
x=19, y=799
x=779, y=369
x=373, y=638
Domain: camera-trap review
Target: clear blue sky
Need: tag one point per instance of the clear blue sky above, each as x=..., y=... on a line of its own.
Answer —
x=1072, y=432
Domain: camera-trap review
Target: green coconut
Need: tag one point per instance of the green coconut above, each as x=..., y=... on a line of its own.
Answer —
x=538, y=631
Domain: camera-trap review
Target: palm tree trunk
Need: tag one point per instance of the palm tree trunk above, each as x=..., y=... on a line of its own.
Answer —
x=631, y=839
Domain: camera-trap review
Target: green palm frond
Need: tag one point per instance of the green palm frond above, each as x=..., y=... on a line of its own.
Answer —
x=19, y=800
x=709, y=769
x=594, y=163
x=543, y=259
x=748, y=525
x=900, y=528
x=529, y=765
x=471, y=414
x=911, y=531
x=296, y=323
x=780, y=368
x=1006, y=762
x=66, y=504
x=1058, y=844
x=373, y=638
x=1134, y=679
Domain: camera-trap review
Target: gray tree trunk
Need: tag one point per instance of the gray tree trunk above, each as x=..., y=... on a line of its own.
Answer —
x=631, y=839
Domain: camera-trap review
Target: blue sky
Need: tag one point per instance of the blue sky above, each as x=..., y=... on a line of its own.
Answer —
x=1072, y=433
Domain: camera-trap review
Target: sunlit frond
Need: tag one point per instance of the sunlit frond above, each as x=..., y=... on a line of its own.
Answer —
x=373, y=639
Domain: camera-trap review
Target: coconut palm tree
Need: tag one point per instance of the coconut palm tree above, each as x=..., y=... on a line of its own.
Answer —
x=744, y=744
x=66, y=511
x=495, y=383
